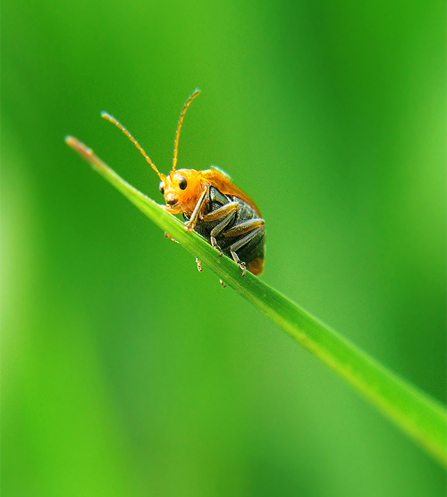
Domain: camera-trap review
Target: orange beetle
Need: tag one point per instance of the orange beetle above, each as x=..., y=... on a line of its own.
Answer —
x=212, y=205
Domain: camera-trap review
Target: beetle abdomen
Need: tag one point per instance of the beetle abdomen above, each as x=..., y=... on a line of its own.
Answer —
x=252, y=252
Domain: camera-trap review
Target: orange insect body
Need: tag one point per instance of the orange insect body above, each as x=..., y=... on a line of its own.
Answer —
x=212, y=205
x=187, y=199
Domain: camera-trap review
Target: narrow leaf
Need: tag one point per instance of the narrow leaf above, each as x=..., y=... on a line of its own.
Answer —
x=416, y=413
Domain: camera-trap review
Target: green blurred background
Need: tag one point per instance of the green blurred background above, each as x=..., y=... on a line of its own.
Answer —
x=128, y=373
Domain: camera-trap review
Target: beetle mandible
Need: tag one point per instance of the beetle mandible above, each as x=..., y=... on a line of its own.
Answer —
x=212, y=205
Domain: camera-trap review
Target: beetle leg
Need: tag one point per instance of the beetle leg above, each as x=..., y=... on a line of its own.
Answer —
x=199, y=265
x=244, y=227
x=240, y=263
x=221, y=211
x=219, y=228
x=190, y=225
x=240, y=243
x=228, y=210
x=167, y=235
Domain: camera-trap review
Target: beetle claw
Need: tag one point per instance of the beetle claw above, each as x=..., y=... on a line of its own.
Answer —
x=188, y=226
x=214, y=244
x=243, y=266
x=199, y=265
x=167, y=235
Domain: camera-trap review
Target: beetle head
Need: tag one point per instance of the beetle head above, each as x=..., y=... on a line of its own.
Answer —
x=181, y=187
x=181, y=190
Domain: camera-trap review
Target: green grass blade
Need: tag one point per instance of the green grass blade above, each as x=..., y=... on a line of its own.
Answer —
x=417, y=414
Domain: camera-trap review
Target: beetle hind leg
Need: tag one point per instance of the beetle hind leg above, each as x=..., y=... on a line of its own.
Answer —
x=240, y=263
x=243, y=241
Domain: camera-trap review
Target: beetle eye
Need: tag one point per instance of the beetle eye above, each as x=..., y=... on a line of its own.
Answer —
x=182, y=183
x=161, y=187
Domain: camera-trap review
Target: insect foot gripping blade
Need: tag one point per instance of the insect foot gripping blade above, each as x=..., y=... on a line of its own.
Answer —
x=211, y=204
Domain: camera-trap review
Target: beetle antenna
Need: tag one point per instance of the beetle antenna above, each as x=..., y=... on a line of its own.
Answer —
x=114, y=121
x=179, y=126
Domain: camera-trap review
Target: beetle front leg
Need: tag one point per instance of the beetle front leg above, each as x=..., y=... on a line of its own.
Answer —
x=191, y=223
